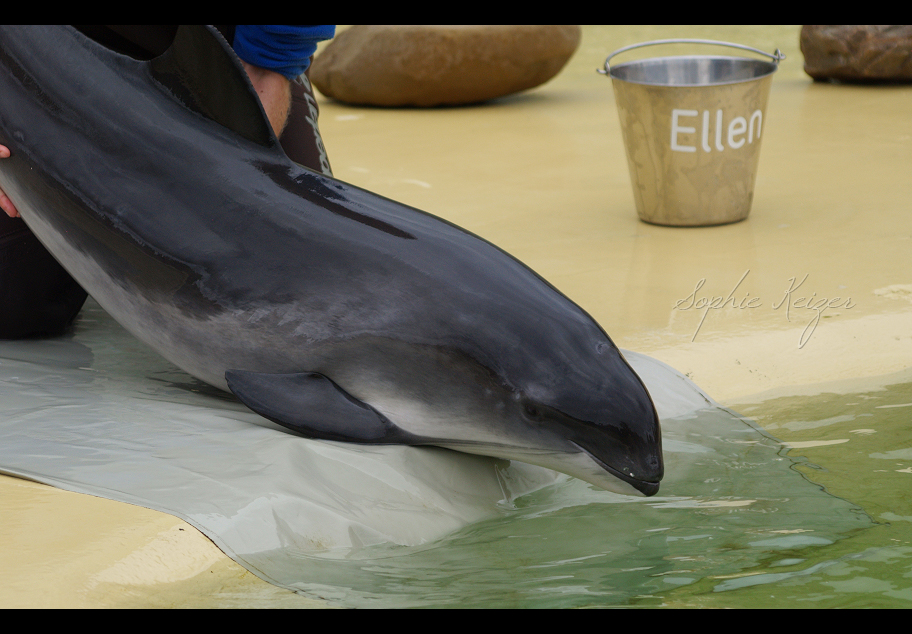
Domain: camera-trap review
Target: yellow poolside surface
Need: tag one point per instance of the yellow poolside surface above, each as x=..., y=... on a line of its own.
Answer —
x=738, y=308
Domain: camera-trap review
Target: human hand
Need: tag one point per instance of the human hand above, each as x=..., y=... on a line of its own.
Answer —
x=5, y=203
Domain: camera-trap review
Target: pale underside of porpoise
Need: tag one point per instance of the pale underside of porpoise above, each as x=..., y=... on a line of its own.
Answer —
x=337, y=313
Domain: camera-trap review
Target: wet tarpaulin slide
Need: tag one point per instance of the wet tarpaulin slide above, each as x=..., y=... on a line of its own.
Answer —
x=98, y=412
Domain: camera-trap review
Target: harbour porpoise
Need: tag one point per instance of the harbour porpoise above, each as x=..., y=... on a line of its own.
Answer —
x=337, y=313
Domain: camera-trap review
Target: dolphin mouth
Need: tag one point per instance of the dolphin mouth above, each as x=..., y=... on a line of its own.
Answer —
x=646, y=487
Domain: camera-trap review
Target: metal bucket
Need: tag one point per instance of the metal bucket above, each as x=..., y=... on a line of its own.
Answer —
x=692, y=127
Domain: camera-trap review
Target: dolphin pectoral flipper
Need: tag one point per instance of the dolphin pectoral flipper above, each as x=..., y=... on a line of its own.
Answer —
x=314, y=406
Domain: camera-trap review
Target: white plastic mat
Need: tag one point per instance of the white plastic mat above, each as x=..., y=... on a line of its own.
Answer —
x=98, y=412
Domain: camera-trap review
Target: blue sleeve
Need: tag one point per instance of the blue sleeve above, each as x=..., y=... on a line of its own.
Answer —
x=285, y=49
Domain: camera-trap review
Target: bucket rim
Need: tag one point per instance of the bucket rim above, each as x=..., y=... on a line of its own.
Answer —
x=772, y=67
x=777, y=56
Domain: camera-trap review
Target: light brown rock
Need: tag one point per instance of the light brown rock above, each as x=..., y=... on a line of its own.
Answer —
x=412, y=65
x=857, y=52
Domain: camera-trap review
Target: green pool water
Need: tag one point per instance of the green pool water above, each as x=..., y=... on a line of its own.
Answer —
x=868, y=461
x=748, y=516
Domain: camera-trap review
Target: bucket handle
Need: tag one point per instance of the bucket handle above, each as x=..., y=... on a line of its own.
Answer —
x=777, y=57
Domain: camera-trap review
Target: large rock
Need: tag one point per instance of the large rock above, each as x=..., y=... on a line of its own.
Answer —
x=849, y=52
x=411, y=65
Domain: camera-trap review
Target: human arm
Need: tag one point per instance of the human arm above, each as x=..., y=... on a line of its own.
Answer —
x=274, y=91
x=274, y=55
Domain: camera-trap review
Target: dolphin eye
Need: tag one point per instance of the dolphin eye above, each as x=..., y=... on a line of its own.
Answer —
x=531, y=411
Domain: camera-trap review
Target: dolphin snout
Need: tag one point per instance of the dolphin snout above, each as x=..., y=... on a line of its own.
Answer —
x=620, y=432
x=642, y=471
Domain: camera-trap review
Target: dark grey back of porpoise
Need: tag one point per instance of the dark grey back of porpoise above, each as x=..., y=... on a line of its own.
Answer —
x=161, y=188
